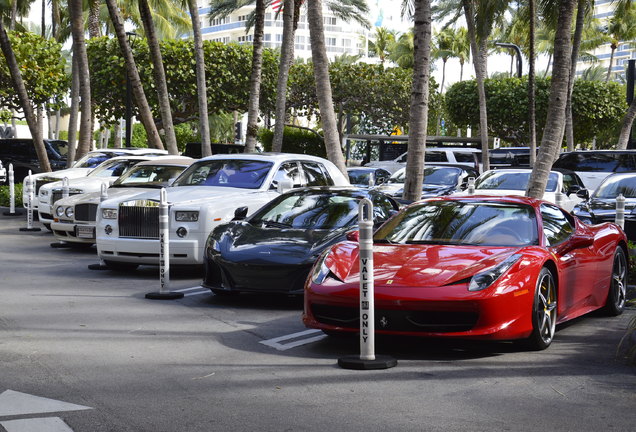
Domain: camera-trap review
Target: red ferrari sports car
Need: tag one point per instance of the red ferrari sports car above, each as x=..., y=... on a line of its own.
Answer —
x=498, y=268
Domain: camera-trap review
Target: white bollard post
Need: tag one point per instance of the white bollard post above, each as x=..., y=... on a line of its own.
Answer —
x=30, y=198
x=371, y=180
x=558, y=199
x=367, y=358
x=164, y=253
x=471, y=186
x=102, y=265
x=103, y=196
x=11, y=179
x=620, y=211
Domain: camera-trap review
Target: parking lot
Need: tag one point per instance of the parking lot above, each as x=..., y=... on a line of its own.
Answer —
x=90, y=338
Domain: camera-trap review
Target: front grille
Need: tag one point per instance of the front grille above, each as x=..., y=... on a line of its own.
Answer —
x=86, y=212
x=139, y=222
x=416, y=321
x=57, y=195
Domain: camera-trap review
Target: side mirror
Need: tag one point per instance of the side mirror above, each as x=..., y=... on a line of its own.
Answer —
x=573, y=189
x=583, y=194
x=353, y=236
x=240, y=213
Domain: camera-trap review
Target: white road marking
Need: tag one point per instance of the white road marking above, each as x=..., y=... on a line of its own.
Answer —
x=46, y=424
x=198, y=290
x=297, y=339
x=16, y=403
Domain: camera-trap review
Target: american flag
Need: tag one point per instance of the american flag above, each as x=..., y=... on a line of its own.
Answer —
x=277, y=5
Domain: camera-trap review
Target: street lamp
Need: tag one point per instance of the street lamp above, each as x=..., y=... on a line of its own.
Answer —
x=131, y=39
x=517, y=49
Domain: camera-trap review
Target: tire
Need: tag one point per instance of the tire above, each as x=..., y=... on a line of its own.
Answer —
x=617, y=294
x=120, y=266
x=544, y=312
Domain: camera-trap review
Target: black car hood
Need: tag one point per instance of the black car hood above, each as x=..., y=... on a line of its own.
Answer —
x=241, y=242
x=608, y=205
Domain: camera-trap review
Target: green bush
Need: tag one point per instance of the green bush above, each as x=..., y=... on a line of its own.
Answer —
x=5, y=198
x=295, y=140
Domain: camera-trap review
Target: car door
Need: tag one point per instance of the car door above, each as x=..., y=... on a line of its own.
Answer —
x=577, y=265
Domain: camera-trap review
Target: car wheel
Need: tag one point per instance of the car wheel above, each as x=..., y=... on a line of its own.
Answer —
x=618, y=286
x=120, y=266
x=544, y=312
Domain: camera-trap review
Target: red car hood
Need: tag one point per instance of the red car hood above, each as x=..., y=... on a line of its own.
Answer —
x=418, y=265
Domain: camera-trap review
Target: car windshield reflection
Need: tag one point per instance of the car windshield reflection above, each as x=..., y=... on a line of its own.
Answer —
x=244, y=174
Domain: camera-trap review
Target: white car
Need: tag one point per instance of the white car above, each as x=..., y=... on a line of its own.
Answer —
x=501, y=182
x=466, y=156
x=74, y=217
x=82, y=167
x=106, y=174
x=205, y=195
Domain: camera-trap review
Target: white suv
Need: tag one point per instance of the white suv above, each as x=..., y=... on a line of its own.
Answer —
x=205, y=195
x=467, y=156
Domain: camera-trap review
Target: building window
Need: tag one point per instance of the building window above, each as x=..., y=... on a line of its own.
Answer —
x=267, y=37
x=242, y=18
x=346, y=43
x=330, y=41
x=279, y=37
x=246, y=38
x=329, y=21
x=219, y=21
x=300, y=39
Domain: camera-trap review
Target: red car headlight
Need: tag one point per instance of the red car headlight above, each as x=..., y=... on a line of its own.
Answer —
x=484, y=279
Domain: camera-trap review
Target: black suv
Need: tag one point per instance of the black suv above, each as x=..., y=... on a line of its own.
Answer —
x=21, y=153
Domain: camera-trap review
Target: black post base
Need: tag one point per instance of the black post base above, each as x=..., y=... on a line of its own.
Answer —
x=170, y=295
x=98, y=267
x=354, y=362
x=15, y=213
x=60, y=245
x=34, y=229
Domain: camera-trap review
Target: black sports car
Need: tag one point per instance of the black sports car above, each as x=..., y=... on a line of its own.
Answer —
x=601, y=206
x=274, y=249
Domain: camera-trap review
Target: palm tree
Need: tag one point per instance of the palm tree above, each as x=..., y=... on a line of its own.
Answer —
x=79, y=50
x=443, y=49
x=402, y=51
x=138, y=91
x=381, y=43
x=290, y=20
x=160, y=77
x=461, y=49
x=555, y=123
x=418, y=113
x=323, y=85
x=621, y=28
x=25, y=102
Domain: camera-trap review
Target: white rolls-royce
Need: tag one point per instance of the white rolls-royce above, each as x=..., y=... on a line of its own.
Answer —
x=205, y=195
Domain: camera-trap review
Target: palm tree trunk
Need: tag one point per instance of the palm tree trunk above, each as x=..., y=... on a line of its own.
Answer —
x=323, y=85
x=202, y=89
x=555, y=122
x=532, y=144
x=286, y=58
x=25, y=103
x=160, y=77
x=255, y=78
x=93, y=18
x=576, y=43
x=138, y=91
x=626, y=126
x=79, y=50
x=479, y=61
x=611, y=62
x=72, y=121
x=14, y=14
x=418, y=112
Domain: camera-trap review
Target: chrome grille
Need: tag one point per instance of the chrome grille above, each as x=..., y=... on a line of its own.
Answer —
x=139, y=221
x=86, y=212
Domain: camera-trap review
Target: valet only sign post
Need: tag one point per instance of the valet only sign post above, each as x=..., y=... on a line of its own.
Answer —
x=367, y=360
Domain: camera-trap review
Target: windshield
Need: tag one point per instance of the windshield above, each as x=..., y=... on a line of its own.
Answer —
x=149, y=176
x=238, y=173
x=512, y=181
x=612, y=187
x=462, y=223
x=91, y=160
x=60, y=146
x=359, y=177
x=113, y=168
x=324, y=211
x=432, y=176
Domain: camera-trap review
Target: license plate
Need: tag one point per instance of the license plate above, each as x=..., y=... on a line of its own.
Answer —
x=87, y=232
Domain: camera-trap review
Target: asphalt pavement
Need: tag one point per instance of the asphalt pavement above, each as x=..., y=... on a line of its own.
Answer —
x=84, y=350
